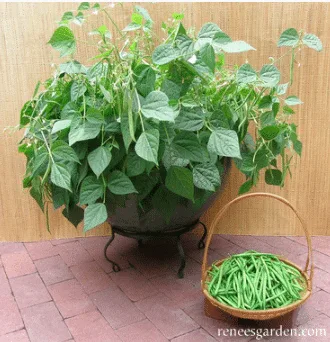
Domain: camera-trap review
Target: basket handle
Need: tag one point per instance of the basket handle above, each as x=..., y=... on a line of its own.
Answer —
x=309, y=261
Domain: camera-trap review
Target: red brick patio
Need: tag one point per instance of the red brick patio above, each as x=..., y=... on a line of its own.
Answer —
x=64, y=290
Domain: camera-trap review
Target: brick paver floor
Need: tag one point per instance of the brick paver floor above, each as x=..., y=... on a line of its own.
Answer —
x=64, y=290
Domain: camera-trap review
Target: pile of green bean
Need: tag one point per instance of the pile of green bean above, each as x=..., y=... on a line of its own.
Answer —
x=255, y=281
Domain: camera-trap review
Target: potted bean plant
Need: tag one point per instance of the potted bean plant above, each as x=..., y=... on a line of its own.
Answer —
x=144, y=134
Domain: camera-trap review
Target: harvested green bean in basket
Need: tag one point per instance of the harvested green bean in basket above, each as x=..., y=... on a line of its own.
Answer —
x=255, y=285
x=255, y=281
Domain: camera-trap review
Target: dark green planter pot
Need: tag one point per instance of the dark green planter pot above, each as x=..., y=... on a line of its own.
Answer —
x=130, y=220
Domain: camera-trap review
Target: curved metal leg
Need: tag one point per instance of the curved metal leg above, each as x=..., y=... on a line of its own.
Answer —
x=201, y=243
x=182, y=258
x=115, y=266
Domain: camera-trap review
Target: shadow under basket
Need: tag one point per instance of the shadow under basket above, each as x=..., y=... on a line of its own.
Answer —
x=213, y=307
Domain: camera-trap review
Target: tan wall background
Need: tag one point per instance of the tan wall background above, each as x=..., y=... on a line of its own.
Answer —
x=25, y=58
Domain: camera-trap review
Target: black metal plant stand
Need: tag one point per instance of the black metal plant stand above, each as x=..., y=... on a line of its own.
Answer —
x=176, y=233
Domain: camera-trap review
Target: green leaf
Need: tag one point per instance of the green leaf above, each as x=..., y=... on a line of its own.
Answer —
x=312, y=41
x=185, y=44
x=224, y=142
x=63, y=41
x=84, y=6
x=145, y=78
x=83, y=130
x=120, y=184
x=94, y=116
x=207, y=56
x=292, y=100
x=77, y=90
x=170, y=158
x=60, y=125
x=289, y=37
x=69, y=111
x=135, y=165
x=269, y=132
x=270, y=75
x=281, y=89
x=99, y=159
x=246, y=74
x=165, y=202
x=91, y=190
x=95, y=214
x=273, y=177
x=137, y=18
x=132, y=27
x=144, y=13
x=180, y=181
x=74, y=214
x=236, y=47
x=36, y=192
x=147, y=145
x=186, y=146
x=190, y=119
x=246, y=187
x=265, y=102
x=106, y=94
x=209, y=30
x=171, y=89
x=164, y=54
x=40, y=162
x=60, y=196
x=219, y=39
x=206, y=176
x=62, y=151
x=156, y=106
x=267, y=119
x=60, y=176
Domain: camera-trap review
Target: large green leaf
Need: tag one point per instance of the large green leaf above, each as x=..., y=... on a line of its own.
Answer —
x=224, y=142
x=206, y=176
x=60, y=196
x=91, y=190
x=60, y=125
x=77, y=90
x=60, y=176
x=269, y=132
x=156, y=106
x=246, y=74
x=187, y=146
x=74, y=214
x=171, y=158
x=83, y=130
x=99, y=159
x=36, y=192
x=293, y=100
x=145, y=78
x=120, y=184
x=164, y=54
x=180, y=181
x=135, y=165
x=236, y=47
x=63, y=41
x=312, y=41
x=147, y=145
x=209, y=30
x=62, y=151
x=270, y=75
x=245, y=187
x=95, y=214
x=207, y=56
x=273, y=177
x=190, y=119
x=289, y=37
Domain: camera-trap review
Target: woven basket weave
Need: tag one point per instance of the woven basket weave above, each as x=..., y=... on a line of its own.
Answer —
x=212, y=305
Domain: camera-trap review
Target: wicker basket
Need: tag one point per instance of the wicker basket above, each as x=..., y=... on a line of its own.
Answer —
x=212, y=306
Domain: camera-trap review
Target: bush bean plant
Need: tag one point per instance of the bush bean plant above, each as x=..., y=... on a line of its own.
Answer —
x=154, y=117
